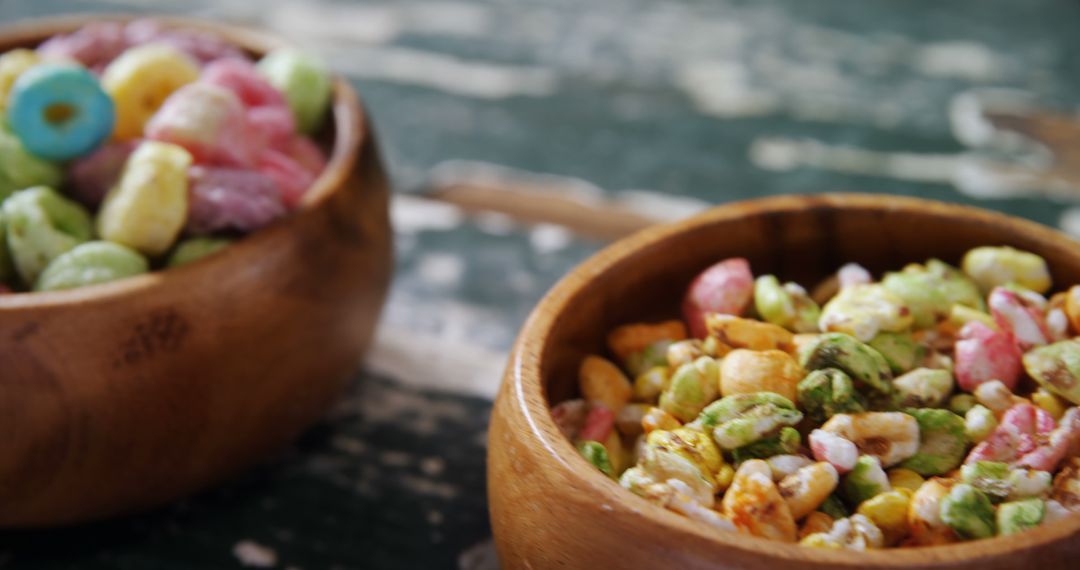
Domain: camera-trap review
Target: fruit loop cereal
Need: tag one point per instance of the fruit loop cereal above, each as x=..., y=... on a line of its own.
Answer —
x=129, y=146
x=934, y=406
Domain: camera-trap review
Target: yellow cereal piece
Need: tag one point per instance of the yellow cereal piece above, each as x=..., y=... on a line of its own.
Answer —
x=146, y=210
x=1048, y=401
x=901, y=478
x=994, y=266
x=632, y=338
x=12, y=65
x=602, y=381
x=655, y=419
x=750, y=371
x=889, y=512
x=140, y=80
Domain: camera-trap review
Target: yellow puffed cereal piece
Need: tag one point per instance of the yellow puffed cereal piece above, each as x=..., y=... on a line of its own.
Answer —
x=815, y=522
x=601, y=381
x=147, y=207
x=889, y=512
x=632, y=338
x=12, y=65
x=901, y=478
x=655, y=419
x=1048, y=401
x=995, y=266
x=140, y=80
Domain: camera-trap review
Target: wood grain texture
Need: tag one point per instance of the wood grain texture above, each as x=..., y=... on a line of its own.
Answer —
x=128, y=394
x=550, y=508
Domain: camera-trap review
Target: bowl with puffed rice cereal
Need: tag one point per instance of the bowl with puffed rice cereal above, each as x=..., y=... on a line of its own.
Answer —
x=194, y=251
x=833, y=381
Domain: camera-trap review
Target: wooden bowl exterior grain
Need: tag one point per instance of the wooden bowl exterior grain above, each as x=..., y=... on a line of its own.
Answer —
x=125, y=395
x=550, y=508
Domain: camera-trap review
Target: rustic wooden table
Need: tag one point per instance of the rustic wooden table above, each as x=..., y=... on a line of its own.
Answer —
x=521, y=136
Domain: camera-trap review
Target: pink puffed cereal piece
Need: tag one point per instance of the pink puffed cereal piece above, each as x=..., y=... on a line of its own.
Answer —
x=229, y=198
x=90, y=177
x=598, y=424
x=292, y=179
x=1061, y=442
x=1021, y=316
x=209, y=122
x=983, y=354
x=852, y=274
x=569, y=416
x=305, y=152
x=93, y=45
x=724, y=288
x=275, y=127
x=240, y=77
x=834, y=450
x=1024, y=428
x=203, y=46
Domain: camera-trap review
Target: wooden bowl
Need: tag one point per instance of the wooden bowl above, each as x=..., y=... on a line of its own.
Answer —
x=550, y=508
x=128, y=394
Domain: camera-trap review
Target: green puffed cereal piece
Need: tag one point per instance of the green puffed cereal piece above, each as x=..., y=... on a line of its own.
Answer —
x=1018, y=516
x=899, y=349
x=736, y=405
x=930, y=291
x=834, y=507
x=304, y=80
x=1057, y=368
x=40, y=225
x=942, y=442
x=19, y=169
x=90, y=263
x=594, y=452
x=864, y=365
x=194, y=249
x=979, y=423
x=742, y=419
x=691, y=388
x=866, y=480
x=649, y=385
x=961, y=403
x=968, y=511
x=826, y=392
x=990, y=477
x=651, y=356
x=923, y=388
x=786, y=305
x=785, y=443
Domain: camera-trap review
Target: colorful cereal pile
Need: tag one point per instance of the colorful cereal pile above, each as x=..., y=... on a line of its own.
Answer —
x=934, y=406
x=127, y=146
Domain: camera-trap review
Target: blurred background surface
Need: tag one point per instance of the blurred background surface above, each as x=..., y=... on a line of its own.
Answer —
x=522, y=135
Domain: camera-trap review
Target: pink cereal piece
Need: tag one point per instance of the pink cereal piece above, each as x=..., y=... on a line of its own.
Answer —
x=275, y=126
x=834, y=450
x=240, y=77
x=93, y=45
x=209, y=122
x=983, y=354
x=229, y=198
x=304, y=151
x=724, y=288
x=1021, y=316
x=203, y=46
x=1062, y=441
x=90, y=177
x=569, y=416
x=292, y=179
x=1002, y=445
x=598, y=424
x=853, y=274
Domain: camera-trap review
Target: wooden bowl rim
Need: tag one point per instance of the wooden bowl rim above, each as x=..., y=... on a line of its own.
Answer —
x=350, y=134
x=528, y=393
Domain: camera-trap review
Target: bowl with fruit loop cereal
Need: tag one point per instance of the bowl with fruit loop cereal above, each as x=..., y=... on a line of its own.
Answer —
x=194, y=251
x=830, y=381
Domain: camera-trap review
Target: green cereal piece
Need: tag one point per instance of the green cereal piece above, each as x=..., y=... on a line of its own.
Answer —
x=742, y=419
x=649, y=357
x=826, y=392
x=787, y=305
x=990, y=477
x=979, y=423
x=304, y=80
x=866, y=366
x=866, y=480
x=834, y=507
x=193, y=249
x=968, y=511
x=899, y=349
x=1018, y=516
x=942, y=442
x=691, y=388
x=785, y=443
x=595, y=453
x=19, y=169
x=930, y=291
x=90, y=263
x=42, y=224
x=649, y=385
x=1057, y=368
x=961, y=403
x=731, y=407
x=923, y=388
